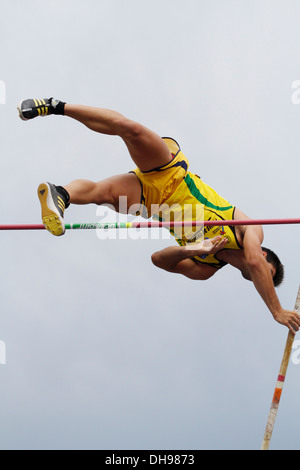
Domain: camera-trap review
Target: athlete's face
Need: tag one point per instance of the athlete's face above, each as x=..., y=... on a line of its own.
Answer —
x=272, y=269
x=271, y=266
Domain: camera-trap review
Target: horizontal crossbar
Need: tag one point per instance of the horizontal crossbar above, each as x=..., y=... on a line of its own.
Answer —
x=120, y=225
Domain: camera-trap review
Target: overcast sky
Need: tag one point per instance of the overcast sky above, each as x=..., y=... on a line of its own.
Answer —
x=103, y=350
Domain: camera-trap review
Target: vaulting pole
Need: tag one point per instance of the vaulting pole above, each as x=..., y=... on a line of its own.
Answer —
x=279, y=384
x=120, y=225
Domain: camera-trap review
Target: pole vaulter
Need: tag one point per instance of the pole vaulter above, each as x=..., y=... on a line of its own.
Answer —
x=162, y=178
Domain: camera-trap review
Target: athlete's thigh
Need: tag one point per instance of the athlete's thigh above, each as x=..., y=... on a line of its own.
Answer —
x=147, y=149
x=122, y=192
x=196, y=271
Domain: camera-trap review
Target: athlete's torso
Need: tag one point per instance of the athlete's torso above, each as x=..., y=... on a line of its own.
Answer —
x=195, y=200
x=172, y=193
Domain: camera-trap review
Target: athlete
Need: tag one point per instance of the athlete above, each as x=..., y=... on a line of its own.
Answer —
x=162, y=187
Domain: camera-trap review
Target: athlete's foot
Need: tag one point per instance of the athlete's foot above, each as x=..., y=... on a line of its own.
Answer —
x=53, y=205
x=31, y=108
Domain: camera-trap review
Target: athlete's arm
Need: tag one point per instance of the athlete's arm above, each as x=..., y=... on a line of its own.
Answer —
x=178, y=259
x=261, y=277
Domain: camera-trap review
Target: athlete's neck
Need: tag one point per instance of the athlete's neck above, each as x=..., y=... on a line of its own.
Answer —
x=235, y=258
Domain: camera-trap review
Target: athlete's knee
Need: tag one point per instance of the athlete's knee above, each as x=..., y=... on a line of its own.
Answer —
x=204, y=276
x=130, y=130
x=104, y=193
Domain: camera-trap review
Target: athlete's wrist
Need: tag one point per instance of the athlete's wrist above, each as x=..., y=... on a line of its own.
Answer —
x=190, y=251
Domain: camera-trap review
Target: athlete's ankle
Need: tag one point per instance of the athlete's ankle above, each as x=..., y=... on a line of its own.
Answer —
x=58, y=107
x=64, y=194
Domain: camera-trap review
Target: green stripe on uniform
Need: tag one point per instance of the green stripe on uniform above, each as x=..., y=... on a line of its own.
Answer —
x=196, y=193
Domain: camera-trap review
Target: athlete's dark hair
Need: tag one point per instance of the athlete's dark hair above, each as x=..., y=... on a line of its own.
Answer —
x=273, y=259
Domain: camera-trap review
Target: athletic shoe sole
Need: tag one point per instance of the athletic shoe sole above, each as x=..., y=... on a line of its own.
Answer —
x=52, y=219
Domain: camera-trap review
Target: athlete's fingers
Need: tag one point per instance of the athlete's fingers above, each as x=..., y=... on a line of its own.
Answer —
x=219, y=245
x=293, y=329
x=294, y=323
x=216, y=239
x=295, y=318
x=222, y=242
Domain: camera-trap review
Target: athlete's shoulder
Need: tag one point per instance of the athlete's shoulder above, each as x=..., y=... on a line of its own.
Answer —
x=242, y=229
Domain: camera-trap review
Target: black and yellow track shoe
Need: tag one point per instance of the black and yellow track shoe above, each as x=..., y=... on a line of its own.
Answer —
x=31, y=108
x=53, y=205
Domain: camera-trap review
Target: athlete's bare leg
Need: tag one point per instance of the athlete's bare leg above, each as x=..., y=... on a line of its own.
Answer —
x=122, y=192
x=147, y=149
